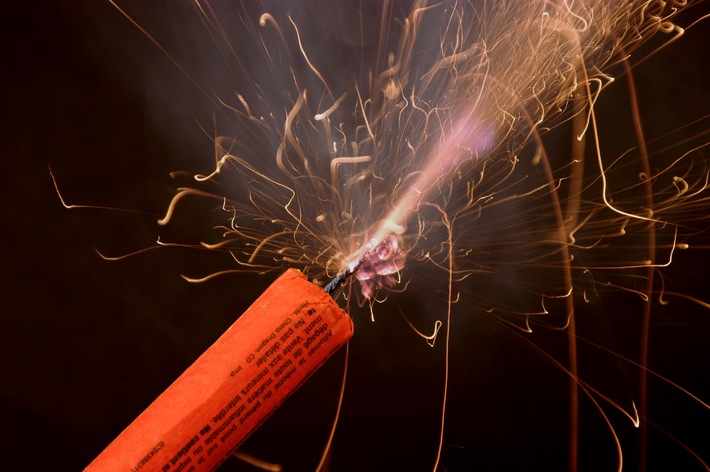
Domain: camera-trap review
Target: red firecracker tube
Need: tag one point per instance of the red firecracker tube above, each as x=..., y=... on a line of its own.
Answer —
x=285, y=336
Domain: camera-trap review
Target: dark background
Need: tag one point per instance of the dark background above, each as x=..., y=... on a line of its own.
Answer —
x=86, y=344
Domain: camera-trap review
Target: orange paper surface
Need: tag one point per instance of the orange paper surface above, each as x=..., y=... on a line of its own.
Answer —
x=285, y=336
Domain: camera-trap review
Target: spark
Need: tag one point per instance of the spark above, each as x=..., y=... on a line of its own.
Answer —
x=426, y=155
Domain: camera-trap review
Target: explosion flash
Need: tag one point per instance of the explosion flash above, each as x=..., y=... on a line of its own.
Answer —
x=414, y=150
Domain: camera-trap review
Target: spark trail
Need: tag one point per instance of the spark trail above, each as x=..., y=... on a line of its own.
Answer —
x=414, y=136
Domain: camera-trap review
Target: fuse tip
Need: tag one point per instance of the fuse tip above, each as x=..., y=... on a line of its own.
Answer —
x=374, y=268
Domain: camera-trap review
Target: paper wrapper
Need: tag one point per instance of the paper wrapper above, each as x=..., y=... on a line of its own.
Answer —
x=285, y=336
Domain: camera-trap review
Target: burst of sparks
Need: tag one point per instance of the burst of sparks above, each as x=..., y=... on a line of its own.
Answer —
x=432, y=154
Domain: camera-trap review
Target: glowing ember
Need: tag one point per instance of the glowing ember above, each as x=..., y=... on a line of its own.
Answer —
x=379, y=265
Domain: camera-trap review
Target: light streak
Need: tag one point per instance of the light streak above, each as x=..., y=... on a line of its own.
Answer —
x=433, y=152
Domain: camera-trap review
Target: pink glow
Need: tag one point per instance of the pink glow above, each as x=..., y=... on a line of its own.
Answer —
x=379, y=265
x=468, y=139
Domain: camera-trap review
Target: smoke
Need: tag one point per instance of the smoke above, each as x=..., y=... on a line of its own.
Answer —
x=427, y=127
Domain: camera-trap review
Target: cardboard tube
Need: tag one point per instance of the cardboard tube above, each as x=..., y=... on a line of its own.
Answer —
x=285, y=336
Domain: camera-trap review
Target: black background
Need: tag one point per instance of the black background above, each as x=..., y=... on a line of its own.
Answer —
x=87, y=344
